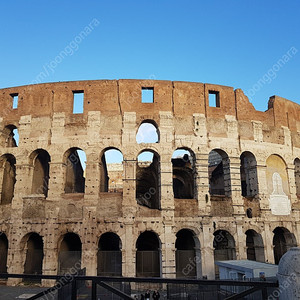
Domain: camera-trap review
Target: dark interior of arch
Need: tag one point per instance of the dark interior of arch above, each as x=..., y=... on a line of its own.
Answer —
x=224, y=247
x=111, y=171
x=254, y=245
x=3, y=253
x=9, y=179
x=184, y=240
x=109, y=242
x=147, y=241
x=283, y=240
x=109, y=262
x=104, y=175
x=248, y=171
x=147, y=255
x=69, y=253
x=147, y=183
x=185, y=254
x=183, y=177
x=40, y=177
x=75, y=181
x=216, y=173
x=34, y=255
x=9, y=136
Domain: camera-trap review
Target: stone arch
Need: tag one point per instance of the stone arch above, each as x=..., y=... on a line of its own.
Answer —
x=34, y=254
x=74, y=171
x=10, y=136
x=3, y=252
x=148, y=132
x=278, y=185
x=69, y=255
x=187, y=254
x=224, y=247
x=283, y=240
x=39, y=160
x=109, y=256
x=276, y=164
x=219, y=173
x=184, y=173
x=8, y=174
x=111, y=170
x=148, y=179
x=297, y=176
x=248, y=170
x=148, y=255
x=255, y=246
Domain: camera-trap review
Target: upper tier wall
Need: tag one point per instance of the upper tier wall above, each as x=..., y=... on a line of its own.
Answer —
x=113, y=97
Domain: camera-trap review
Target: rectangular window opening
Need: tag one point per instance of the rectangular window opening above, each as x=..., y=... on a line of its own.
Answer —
x=147, y=95
x=15, y=98
x=78, y=100
x=214, y=99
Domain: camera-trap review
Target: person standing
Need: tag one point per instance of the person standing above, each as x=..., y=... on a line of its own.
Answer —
x=147, y=295
x=156, y=295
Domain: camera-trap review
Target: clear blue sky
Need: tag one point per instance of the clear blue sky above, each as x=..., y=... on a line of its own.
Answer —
x=233, y=43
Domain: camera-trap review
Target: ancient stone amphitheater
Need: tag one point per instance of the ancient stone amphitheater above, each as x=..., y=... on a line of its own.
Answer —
x=219, y=180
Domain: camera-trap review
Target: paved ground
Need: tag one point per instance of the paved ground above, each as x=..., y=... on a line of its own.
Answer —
x=18, y=292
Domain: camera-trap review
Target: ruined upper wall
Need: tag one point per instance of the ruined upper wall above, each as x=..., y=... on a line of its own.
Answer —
x=114, y=97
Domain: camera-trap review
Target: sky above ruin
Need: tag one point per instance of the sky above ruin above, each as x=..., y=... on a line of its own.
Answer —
x=253, y=45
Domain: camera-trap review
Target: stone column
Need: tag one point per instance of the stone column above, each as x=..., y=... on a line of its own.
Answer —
x=166, y=183
x=89, y=258
x=57, y=179
x=236, y=192
x=168, y=266
x=269, y=248
x=23, y=184
x=129, y=204
x=202, y=183
x=207, y=253
x=128, y=251
x=263, y=187
x=241, y=249
x=92, y=179
x=292, y=183
x=50, y=261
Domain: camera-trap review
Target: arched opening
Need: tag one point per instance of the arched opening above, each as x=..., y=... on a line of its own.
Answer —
x=224, y=247
x=111, y=171
x=297, y=176
x=8, y=170
x=188, y=257
x=277, y=181
x=147, y=132
x=255, y=246
x=248, y=169
x=75, y=160
x=148, y=255
x=184, y=174
x=34, y=255
x=148, y=179
x=11, y=136
x=109, y=255
x=69, y=256
x=219, y=173
x=283, y=240
x=3, y=252
x=40, y=178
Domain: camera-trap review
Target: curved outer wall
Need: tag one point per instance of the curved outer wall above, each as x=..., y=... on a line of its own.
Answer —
x=112, y=114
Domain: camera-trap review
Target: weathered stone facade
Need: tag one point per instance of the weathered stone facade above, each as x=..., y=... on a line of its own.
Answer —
x=253, y=209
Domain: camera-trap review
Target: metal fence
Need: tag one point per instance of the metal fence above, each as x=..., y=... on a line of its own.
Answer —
x=69, y=287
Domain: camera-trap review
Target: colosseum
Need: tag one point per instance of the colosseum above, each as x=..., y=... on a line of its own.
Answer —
x=208, y=178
